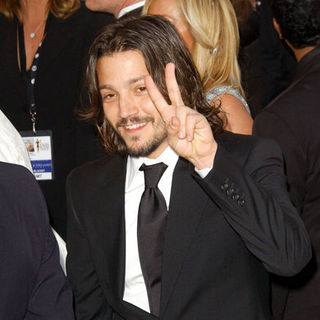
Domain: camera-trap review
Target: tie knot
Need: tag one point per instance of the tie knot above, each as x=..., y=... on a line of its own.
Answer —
x=153, y=173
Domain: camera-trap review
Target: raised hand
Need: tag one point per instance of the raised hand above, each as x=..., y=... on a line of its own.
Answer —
x=189, y=132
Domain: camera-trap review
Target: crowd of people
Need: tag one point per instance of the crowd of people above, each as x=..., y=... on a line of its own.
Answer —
x=174, y=148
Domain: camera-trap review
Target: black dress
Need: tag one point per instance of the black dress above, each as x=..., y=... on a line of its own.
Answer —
x=58, y=90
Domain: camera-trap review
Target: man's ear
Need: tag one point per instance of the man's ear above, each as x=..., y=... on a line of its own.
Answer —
x=277, y=27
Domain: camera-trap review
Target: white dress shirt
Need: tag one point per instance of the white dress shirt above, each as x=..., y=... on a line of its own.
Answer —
x=135, y=291
x=130, y=8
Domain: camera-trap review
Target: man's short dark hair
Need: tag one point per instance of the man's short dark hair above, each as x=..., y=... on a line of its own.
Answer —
x=159, y=43
x=299, y=21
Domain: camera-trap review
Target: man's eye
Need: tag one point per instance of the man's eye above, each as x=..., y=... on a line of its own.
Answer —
x=109, y=96
x=141, y=89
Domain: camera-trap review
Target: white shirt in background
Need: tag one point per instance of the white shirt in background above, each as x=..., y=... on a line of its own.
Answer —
x=130, y=8
x=12, y=147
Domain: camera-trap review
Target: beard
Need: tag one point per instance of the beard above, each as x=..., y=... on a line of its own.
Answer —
x=148, y=146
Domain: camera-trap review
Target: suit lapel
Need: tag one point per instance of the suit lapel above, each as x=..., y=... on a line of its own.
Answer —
x=187, y=202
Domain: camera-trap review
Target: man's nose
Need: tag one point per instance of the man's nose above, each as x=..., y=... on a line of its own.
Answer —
x=127, y=107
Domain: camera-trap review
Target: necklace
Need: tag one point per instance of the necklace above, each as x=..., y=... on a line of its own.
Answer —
x=33, y=34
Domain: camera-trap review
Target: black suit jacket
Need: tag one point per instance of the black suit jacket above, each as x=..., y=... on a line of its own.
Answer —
x=59, y=83
x=33, y=285
x=224, y=233
x=292, y=119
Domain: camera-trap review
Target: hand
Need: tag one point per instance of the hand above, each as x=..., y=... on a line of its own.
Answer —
x=189, y=132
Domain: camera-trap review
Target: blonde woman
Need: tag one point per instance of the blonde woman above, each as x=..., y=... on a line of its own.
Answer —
x=210, y=31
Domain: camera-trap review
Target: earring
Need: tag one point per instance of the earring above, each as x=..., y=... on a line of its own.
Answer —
x=213, y=51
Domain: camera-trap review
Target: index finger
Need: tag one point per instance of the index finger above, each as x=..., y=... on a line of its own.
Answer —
x=166, y=111
x=172, y=85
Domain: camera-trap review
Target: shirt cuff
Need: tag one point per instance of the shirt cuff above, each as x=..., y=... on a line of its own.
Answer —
x=203, y=172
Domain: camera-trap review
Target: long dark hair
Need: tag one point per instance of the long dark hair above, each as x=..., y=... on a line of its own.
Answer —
x=159, y=43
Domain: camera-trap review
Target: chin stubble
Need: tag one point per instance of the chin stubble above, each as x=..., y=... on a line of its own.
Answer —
x=160, y=135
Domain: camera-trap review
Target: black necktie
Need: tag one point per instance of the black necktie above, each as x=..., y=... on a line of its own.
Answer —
x=151, y=227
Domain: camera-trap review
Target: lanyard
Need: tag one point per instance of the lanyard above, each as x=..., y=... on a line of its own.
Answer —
x=29, y=77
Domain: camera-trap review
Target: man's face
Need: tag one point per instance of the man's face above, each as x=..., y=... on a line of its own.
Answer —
x=127, y=105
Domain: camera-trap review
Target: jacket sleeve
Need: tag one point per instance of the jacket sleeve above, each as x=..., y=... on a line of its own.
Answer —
x=272, y=126
x=90, y=302
x=256, y=204
x=50, y=295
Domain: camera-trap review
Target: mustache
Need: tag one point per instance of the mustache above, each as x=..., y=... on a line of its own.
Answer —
x=134, y=120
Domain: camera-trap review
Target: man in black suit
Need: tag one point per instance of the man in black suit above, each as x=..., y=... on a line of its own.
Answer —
x=292, y=119
x=33, y=285
x=225, y=220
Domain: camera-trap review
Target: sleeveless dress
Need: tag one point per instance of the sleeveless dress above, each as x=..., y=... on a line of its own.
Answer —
x=216, y=92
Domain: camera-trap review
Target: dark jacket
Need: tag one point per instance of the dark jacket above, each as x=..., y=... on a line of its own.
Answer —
x=224, y=234
x=33, y=285
x=292, y=119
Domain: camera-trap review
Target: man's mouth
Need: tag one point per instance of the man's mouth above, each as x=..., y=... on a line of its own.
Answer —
x=134, y=123
x=135, y=126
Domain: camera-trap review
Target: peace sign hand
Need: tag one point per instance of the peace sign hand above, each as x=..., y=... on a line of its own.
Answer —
x=189, y=132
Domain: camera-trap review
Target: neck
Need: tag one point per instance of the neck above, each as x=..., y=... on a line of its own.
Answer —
x=156, y=154
x=300, y=53
x=123, y=4
x=34, y=10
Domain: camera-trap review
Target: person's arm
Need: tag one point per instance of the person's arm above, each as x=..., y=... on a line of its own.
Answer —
x=51, y=296
x=238, y=118
x=90, y=303
x=253, y=197
x=256, y=204
x=272, y=126
x=50, y=293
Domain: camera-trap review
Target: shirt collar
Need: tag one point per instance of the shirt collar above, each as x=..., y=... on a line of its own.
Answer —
x=168, y=156
x=130, y=8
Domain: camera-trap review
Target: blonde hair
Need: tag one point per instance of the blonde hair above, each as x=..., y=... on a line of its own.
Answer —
x=214, y=26
x=59, y=8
